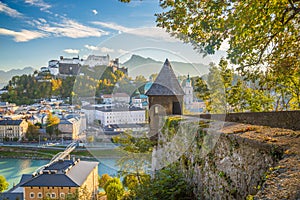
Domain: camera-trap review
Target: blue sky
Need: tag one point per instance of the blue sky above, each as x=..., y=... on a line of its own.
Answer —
x=32, y=32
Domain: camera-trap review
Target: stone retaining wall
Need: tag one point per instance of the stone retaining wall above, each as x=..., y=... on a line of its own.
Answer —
x=281, y=119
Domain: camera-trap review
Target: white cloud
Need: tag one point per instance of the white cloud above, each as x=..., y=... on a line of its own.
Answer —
x=39, y=3
x=23, y=35
x=91, y=47
x=42, y=20
x=113, y=26
x=9, y=11
x=71, y=51
x=38, y=22
x=152, y=32
x=72, y=29
x=106, y=50
x=95, y=12
x=122, y=51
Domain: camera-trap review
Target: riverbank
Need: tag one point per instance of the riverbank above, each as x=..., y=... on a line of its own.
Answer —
x=37, y=153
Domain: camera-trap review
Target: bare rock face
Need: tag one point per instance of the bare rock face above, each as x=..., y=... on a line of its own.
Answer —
x=246, y=162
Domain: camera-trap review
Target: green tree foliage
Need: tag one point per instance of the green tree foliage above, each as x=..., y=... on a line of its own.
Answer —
x=67, y=86
x=213, y=90
x=114, y=189
x=96, y=81
x=103, y=179
x=140, y=82
x=153, y=76
x=258, y=32
x=52, y=125
x=286, y=87
x=136, y=157
x=56, y=86
x=168, y=183
x=27, y=89
x=140, y=79
x=3, y=184
x=125, y=85
x=130, y=181
x=224, y=91
x=32, y=131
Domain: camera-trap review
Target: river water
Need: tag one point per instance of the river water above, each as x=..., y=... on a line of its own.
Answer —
x=12, y=169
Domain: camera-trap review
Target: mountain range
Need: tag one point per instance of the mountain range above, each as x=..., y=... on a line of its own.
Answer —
x=5, y=76
x=138, y=65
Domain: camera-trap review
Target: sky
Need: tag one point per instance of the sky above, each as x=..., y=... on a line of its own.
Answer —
x=32, y=32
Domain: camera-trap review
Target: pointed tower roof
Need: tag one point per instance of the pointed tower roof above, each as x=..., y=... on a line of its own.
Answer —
x=166, y=83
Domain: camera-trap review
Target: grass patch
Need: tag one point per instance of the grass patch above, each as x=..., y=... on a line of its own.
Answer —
x=41, y=153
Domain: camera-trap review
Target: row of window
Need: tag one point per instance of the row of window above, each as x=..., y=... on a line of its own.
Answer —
x=120, y=121
x=49, y=195
x=9, y=127
x=124, y=116
x=124, y=113
x=9, y=130
x=9, y=135
x=126, y=119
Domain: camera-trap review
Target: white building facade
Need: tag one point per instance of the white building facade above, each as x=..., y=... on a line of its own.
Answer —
x=120, y=97
x=93, y=60
x=75, y=60
x=11, y=129
x=53, y=66
x=130, y=116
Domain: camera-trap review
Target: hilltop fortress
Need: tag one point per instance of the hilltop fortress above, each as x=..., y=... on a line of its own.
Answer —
x=71, y=66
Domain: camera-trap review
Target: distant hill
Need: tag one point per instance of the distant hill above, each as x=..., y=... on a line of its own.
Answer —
x=5, y=76
x=138, y=65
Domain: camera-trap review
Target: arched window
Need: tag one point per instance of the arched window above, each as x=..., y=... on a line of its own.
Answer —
x=62, y=195
x=40, y=195
x=31, y=195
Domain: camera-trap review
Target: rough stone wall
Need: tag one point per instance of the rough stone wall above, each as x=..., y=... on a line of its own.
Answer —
x=232, y=170
x=281, y=119
x=229, y=160
x=241, y=164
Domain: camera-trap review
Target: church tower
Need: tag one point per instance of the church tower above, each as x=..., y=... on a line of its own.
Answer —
x=188, y=92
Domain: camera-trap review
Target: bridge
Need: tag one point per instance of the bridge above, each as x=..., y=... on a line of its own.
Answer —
x=58, y=156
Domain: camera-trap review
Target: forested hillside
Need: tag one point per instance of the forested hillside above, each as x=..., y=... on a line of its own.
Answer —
x=27, y=89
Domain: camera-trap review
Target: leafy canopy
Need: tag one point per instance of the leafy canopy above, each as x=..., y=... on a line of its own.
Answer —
x=3, y=184
x=103, y=180
x=259, y=32
x=114, y=189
